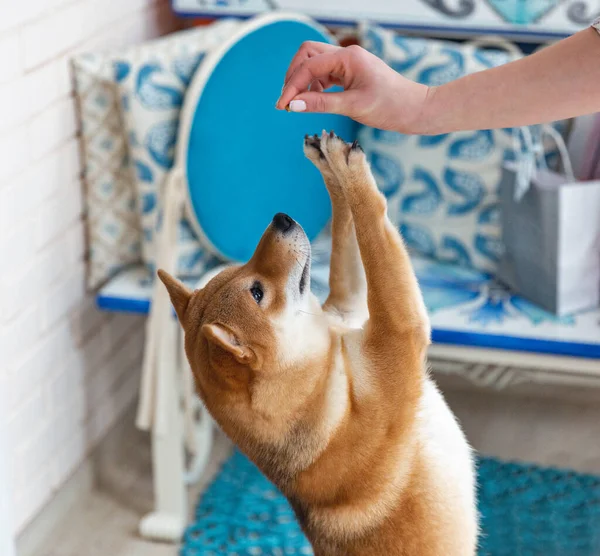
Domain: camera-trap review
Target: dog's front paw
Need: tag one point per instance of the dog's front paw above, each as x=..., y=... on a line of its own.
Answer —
x=312, y=148
x=339, y=154
x=343, y=158
x=313, y=151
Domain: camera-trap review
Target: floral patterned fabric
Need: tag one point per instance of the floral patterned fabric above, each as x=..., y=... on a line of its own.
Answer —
x=129, y=105
x=152, y=83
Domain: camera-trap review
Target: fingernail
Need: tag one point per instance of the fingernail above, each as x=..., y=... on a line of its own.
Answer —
x=297, y=106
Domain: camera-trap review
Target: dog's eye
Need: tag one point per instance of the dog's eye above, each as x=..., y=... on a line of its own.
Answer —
x=257, y=292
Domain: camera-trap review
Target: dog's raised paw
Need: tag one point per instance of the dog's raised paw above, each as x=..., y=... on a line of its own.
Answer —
x=356, y=146
x=312, y=148
x=336, y=150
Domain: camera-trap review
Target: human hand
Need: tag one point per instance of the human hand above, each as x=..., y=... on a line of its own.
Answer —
x=374, y=94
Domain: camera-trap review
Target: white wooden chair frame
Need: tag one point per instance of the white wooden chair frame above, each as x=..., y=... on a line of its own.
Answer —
x=187, y=427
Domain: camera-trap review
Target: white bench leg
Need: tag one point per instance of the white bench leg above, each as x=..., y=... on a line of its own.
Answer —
x=169, y=518
x=170, y=476
x=199, y=423
x=204, y=442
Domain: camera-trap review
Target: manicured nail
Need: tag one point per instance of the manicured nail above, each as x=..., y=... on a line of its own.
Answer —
x=297, y=106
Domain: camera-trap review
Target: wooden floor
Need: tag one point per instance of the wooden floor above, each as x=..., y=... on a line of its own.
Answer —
x=105, y=522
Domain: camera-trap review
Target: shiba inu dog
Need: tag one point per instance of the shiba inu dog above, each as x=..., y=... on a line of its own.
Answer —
x=334, y=403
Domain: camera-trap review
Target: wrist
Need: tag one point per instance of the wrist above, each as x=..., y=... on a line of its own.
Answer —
x=427, y=121
x=415, y=107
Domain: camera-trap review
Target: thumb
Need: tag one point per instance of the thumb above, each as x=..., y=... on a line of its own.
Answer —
x=312, y=101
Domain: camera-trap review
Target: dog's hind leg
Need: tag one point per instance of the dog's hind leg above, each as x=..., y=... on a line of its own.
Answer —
x=398, y=319
x=347, y=284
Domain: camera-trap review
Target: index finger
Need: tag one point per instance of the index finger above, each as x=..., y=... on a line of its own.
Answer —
x=309, y=49
x=318, y=67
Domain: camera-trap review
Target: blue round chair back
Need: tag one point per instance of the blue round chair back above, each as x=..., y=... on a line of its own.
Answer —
x=242, y=158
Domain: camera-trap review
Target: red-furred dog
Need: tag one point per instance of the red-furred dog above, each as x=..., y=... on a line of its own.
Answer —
x=334, y=404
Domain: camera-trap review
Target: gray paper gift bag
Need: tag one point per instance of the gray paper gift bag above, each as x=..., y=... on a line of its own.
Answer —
x=551, y=234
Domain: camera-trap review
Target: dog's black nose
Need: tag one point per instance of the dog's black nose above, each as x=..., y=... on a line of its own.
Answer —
x=283, y=222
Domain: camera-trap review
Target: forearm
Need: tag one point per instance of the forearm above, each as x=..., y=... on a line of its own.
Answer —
x=558, y=82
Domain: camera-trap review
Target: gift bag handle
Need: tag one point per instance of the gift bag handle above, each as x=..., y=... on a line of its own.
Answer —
x=567, y=165
x=533, y=156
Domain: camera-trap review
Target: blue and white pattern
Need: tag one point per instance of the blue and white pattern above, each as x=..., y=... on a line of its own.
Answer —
x=152, y=85
x=517, y=12
x=536, y=19
x=442, y=190
x=481, y=300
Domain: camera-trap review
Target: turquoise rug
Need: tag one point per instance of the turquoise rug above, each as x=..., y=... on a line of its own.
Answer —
x=526, y=511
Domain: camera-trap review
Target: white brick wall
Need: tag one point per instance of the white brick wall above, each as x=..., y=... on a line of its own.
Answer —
x=67, y=371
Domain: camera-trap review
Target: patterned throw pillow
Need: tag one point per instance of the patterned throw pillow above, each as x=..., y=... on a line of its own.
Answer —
x=442, y=190
x=152, y=85
x=112, y=223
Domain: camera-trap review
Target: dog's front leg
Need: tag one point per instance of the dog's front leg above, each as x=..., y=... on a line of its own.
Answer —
x=347, y=284
x=398, y=319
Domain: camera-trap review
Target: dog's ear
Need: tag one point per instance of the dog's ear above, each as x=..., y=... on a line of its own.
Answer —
x=227, y=340
x=180, y=295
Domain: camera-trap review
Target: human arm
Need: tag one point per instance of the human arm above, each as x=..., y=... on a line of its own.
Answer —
x=557, y=82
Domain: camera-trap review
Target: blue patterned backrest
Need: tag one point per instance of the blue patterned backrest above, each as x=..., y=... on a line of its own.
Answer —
x=441, y=190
